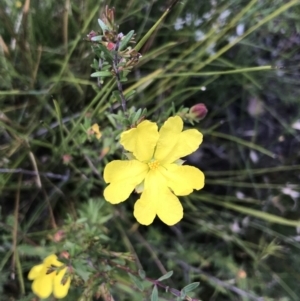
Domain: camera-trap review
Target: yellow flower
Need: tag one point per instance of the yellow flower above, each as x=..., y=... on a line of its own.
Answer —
x=95, y=130
x=18, y=4
x=155, y=170
x=48, y=279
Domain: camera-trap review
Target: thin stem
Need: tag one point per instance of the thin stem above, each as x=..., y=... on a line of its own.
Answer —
x=117, y=73
x=173, y=291
x=35, y=173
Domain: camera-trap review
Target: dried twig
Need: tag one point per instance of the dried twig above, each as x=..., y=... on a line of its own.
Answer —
x=34, y=173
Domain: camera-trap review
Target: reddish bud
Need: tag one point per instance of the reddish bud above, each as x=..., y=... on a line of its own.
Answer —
x=91, y=35
x=64, y=254
x=58, y=236
x=66, y=159
x=104, y=152
x=198, y=111
x=110, y=46
x=241, y=274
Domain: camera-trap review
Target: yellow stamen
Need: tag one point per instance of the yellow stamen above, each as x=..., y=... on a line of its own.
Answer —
x=153, y=164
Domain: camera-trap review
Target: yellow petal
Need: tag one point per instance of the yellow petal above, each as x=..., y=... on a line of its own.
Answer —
x=123, y=177
x=54, y=262
x=170, y=210
x=157, y=199
x=96, y=130
x=49, y=259
x=173, y=143
x=145, y=208
x=141, y=140
x=187, y=143
x=183, y=179
x=35, y=271
x=38, y=269
x=42, y=286
x=60, y=290
x=168, y=136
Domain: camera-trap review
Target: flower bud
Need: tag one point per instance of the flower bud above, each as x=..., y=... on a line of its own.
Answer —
x=198, y=111
x=91, y=35
x=59, y=236
x=110, y=46
x=104, y=152
x=66, y=158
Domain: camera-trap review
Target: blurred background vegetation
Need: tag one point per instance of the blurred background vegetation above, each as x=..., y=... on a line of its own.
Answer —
x=240, y=235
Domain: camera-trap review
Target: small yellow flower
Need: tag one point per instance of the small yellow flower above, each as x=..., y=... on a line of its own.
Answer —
x=18, y=4
x=95, y=130
x=47, y=278
x=155, y=170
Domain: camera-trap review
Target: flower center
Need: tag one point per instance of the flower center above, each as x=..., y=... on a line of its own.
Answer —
x=153, y=164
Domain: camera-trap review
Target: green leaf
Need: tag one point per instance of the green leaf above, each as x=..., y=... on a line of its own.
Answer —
x=142, y=274
x=86, y=123
x=271, y=218
x=95, y=64
x=59, y=118
x=41, y=252
x=116, y=95
x=123, y=79
x=137, y=282
x=126, y=40
x=96, y=38
x=130, y=93
x=153, y=28
x=107, y=54
x=119, y=261
x=102, y=25
x=243, y=142
x=166, y=276
x=106, y=67
x=190, y=287
x=112, y=120
x=136, y=116
x=81, y=270
x=101, y=74
x=154, y=295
